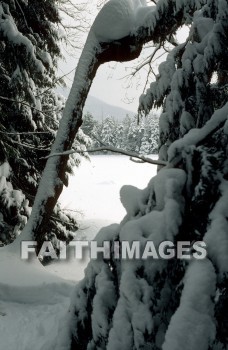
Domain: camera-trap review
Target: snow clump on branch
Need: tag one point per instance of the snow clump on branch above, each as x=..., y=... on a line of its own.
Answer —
x=119, y=18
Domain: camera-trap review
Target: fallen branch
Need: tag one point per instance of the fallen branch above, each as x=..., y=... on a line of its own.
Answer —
x=110, y=149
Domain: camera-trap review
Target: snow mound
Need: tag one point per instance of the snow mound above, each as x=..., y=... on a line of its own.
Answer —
x=33, y=303
x=15, y=272
x=114, y=21
x=132, y=199
x=118, y=18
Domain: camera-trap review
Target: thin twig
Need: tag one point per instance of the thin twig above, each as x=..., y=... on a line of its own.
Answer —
x=56, y=80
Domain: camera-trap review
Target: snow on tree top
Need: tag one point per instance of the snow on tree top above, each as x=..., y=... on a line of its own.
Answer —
x=118, y=18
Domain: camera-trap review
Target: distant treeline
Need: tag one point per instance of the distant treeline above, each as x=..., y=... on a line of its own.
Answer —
x=130, y=134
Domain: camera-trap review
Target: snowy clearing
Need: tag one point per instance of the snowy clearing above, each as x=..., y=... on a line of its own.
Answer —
x=94, y=192
x=34, y=299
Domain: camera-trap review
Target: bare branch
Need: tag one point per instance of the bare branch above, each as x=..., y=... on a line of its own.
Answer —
x=110, y=149
x=148, y=60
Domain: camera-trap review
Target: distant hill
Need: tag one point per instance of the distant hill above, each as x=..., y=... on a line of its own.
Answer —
x=100, y=109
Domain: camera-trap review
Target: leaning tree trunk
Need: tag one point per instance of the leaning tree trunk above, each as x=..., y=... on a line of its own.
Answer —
x=54, y=176
x=94, y=54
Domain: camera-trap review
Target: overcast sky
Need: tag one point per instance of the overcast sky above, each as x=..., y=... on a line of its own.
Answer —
x=110, y=83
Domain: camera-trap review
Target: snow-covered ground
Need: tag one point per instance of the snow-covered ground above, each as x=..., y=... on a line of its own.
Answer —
x=94, y=189
x=93, y=193
x=34, y=299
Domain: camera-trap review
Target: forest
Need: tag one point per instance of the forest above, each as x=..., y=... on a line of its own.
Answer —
x=129, y=134
x=155, y=302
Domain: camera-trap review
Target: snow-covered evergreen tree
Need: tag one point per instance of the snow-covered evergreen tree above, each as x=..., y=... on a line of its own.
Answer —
x=170, y=304
x=89, y=124
x=120, y=135
x=107, y=133
x=133, y=138
x=30, y=112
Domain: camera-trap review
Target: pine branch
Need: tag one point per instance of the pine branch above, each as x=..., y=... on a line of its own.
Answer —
x=30, y=147
x=33, y=108
x=26, y=133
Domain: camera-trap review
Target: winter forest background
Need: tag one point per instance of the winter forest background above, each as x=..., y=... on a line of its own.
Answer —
x=130, y=134
x=141, y=304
